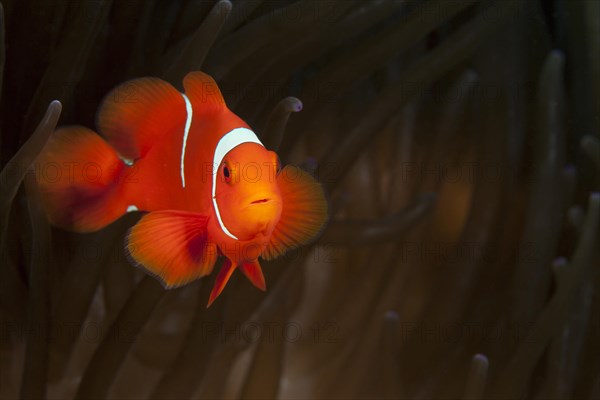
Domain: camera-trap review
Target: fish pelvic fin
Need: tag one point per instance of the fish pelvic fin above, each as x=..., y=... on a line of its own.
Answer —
x=80, y=178
x=221, y=280
x=254, y=274
x=251, y=270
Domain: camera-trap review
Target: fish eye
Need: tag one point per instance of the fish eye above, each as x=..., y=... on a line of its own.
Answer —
x=226, y=173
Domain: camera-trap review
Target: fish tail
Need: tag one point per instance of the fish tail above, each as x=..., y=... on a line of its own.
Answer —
x=80, y=178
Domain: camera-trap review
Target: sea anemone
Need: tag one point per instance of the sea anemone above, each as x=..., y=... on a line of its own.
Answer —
x=458, y=143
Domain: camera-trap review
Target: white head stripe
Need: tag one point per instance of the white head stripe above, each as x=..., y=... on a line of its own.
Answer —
x=188, y=124
x=228, y=142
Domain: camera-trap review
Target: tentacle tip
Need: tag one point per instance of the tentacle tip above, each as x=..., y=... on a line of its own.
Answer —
x=593, y=209
x=570, y=170
x=589, y=141
x=391, y=316
x=311, y=164
x=575, y=214
x=429, y=197
x=481, y=359
x=560, y=262
x=472, y=76
x=56, y=104
x=292, y=104
x=558, y=55
x=225, y=6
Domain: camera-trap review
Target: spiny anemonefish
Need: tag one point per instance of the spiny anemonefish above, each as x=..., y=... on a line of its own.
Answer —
x=208, y=183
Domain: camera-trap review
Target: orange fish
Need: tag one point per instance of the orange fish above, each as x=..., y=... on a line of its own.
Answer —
x=208, y=184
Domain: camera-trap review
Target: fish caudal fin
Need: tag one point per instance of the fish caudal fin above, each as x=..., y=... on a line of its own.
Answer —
x=222, y=279
x=80, y=180
x=254, y=273
x=303, y=214
x=173, y=246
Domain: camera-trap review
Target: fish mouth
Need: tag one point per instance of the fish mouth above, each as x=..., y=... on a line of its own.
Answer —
x=260, y=201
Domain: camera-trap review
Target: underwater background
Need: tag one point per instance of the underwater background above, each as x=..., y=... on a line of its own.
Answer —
x=458, y=144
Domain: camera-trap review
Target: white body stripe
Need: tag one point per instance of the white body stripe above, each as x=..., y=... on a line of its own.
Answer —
x=228, y=142
x=186, y=131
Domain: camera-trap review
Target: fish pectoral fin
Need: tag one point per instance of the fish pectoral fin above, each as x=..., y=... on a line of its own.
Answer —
x=173, y=246
x=135, y=114
x=254, y=273
x=221, y=280
x=303, y=213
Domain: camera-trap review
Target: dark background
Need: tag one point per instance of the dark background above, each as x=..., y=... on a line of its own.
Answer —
x=457, y=141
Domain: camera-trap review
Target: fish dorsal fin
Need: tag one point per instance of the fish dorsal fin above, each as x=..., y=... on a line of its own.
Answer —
x=173, y=246
x=203, y=92
x=303, y=214
x=135, y=114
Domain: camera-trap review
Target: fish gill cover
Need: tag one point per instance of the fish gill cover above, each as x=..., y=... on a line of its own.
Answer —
x=457, y=141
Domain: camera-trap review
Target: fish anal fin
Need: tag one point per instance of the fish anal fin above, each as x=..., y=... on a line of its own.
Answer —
x=135, y=114
x=303, y=214
x=173, y=246
x=254, y=273
x=221, y=280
